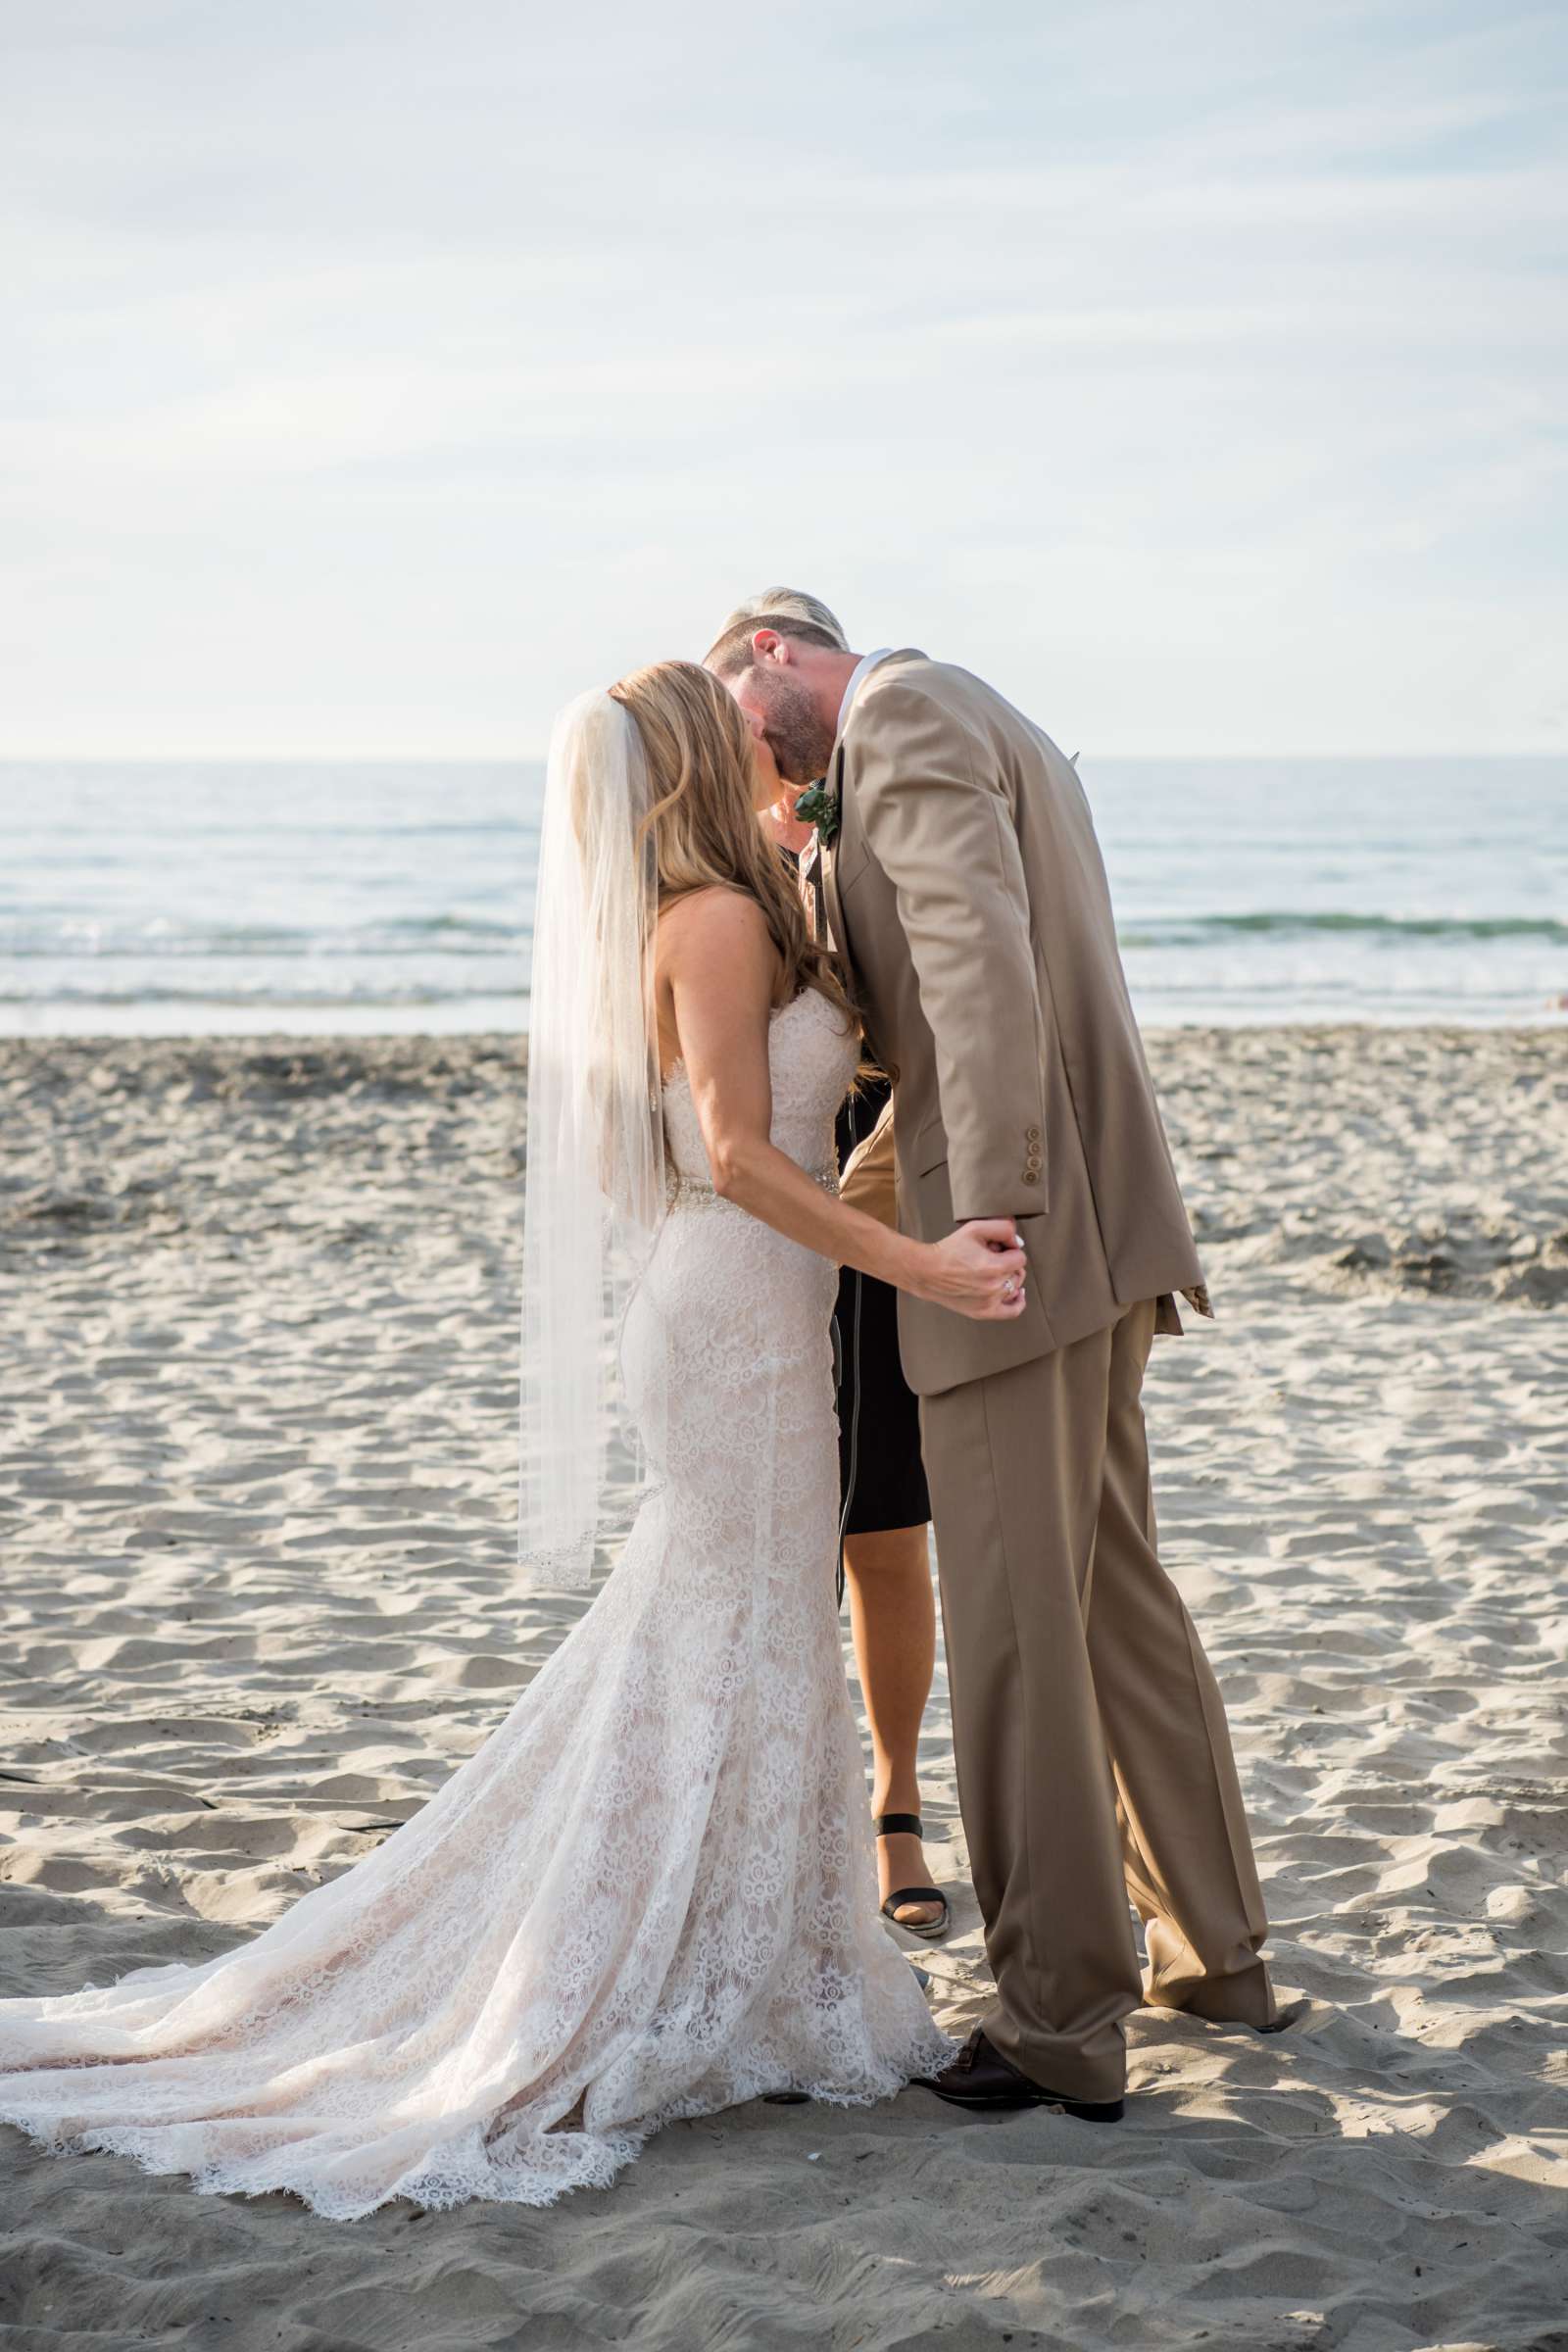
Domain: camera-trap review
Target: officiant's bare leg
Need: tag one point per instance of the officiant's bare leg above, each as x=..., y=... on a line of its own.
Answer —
x=1185, y=1846
x=892, y=1619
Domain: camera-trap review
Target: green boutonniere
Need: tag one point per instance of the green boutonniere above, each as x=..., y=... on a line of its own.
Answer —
x=819, y=806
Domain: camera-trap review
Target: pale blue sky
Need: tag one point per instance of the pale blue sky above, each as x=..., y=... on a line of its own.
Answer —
x=377, y=374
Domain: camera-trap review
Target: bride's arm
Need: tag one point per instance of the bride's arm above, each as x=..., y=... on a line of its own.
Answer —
x=717, y=970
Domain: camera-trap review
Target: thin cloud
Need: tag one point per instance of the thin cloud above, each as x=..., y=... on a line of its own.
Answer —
x=374, y=377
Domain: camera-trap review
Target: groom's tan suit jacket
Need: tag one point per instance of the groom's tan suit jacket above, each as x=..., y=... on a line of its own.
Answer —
x=966, y=892
x=1094, y=1763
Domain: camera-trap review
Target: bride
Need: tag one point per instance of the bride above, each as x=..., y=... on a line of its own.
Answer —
x=651, y=1893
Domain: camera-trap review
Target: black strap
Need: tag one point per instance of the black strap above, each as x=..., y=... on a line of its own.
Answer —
x=898, y=1825
x=914, y=1895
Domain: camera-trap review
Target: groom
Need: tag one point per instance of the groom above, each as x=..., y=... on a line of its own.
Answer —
x=961, y=880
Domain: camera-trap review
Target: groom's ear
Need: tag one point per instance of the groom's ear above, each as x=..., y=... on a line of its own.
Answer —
x=769, y=646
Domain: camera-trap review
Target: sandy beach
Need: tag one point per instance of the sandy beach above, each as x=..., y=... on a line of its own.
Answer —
x=257, y=1502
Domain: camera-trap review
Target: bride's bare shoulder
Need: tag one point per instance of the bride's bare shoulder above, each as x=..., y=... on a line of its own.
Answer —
x=716, y=973
x=716, y=927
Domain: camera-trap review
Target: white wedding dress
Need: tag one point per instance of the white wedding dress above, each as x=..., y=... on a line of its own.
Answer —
x=650, y=1894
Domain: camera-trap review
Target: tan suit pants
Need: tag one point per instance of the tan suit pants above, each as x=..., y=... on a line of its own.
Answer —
x=1093, y=1753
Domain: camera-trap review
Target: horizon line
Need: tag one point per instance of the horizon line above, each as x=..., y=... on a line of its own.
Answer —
x=514, y=758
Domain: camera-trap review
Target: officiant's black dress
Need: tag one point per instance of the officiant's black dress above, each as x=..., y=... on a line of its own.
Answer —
x=881, y=1476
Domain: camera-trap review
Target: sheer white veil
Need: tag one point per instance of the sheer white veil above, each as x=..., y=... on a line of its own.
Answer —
x=593, y=1199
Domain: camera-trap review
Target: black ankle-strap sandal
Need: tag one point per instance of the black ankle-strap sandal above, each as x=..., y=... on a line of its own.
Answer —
x=909, y=1824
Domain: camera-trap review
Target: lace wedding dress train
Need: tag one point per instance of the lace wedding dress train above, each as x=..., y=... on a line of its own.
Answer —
x=650, y=1894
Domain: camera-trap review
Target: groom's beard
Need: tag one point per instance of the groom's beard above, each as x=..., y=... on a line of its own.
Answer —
x=794, y=732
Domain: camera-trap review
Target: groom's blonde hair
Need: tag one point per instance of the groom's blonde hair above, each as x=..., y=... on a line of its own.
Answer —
x=790, y=611
x=773, y=605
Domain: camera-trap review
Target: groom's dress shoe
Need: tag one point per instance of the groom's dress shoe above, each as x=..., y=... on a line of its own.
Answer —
x=981, y=2078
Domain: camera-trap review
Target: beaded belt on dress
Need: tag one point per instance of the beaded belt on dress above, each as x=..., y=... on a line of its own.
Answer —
x=697, y=1191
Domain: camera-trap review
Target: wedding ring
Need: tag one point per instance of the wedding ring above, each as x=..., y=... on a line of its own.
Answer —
x=1009, y=1289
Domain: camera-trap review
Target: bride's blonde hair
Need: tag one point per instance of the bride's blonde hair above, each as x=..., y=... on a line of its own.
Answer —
x=704, y=825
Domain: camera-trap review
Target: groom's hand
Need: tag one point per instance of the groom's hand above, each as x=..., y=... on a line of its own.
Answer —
x=980, y=1271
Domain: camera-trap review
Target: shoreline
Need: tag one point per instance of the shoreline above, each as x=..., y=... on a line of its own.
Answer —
x=232, y=1022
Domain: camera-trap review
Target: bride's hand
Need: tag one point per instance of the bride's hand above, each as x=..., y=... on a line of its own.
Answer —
x=979, y=1271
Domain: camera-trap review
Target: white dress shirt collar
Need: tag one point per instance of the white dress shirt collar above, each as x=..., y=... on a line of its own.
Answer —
x=858, y=676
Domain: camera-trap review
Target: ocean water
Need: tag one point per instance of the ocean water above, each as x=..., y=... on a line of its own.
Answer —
x=318, y=896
